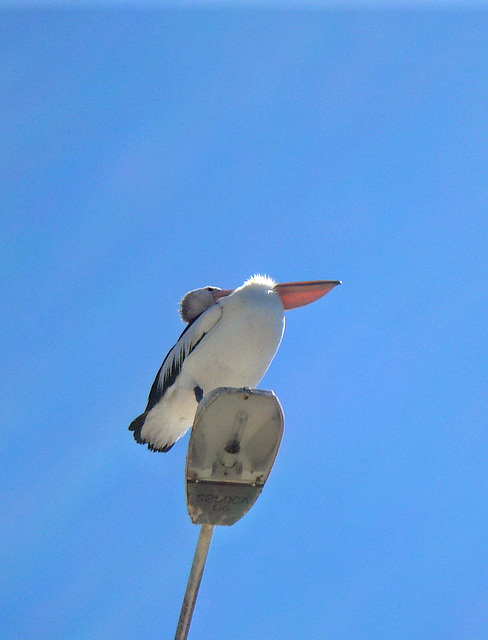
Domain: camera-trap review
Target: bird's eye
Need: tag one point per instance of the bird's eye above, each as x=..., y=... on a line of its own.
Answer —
x=210, y=288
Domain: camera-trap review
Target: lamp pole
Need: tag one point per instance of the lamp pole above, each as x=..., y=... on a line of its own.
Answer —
x=233, y=445
x=194, y=580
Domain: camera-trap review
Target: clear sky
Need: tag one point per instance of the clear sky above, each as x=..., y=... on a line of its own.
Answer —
x=148, y=152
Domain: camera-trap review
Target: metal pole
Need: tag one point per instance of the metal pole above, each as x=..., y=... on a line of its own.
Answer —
x=194, y=580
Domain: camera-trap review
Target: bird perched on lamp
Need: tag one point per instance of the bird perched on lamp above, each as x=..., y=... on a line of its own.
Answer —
x=230, y=339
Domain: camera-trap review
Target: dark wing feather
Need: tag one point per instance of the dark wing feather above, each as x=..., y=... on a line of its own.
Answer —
x=189, y=339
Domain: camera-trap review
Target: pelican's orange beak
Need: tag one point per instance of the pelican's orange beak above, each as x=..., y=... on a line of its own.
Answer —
x=298, y=294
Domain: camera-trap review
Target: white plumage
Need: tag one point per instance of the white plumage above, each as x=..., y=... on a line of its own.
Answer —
x=230, y=341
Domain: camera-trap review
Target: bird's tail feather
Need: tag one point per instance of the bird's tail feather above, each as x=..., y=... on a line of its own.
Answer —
x=137, y=425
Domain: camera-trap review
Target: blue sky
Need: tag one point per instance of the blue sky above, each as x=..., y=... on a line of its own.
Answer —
x=148, y=152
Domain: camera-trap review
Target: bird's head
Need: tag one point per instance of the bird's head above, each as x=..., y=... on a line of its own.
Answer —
x=195, y=302
x=292, y=294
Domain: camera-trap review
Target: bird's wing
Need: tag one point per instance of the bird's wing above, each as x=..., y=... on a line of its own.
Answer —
x=192, y=335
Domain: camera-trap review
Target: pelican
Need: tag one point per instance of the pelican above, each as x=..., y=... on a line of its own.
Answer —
x=230, y=339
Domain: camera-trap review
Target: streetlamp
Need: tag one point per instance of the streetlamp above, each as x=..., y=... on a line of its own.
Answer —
x=233, y=444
